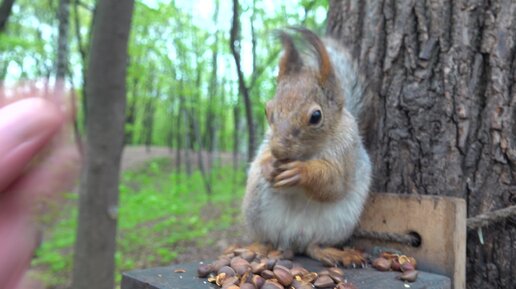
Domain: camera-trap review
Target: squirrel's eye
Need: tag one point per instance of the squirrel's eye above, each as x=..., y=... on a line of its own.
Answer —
x=316, y=116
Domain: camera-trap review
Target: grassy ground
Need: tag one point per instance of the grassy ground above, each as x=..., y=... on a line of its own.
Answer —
x=163, y=217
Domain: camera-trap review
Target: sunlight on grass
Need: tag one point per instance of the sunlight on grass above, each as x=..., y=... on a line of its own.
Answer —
x=158, y=208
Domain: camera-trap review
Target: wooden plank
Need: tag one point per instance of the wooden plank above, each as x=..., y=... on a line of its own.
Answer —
x=440, y=221
x=368, y=278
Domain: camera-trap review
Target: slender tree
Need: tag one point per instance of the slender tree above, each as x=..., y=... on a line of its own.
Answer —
x=94, y=262
x=446, y=109
x=243, y=88
x=83, y=45
x=63, y=16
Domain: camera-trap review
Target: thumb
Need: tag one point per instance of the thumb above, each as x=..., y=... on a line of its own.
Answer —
x=26, y=126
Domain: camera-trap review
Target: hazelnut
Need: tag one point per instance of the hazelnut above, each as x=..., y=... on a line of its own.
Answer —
x=271, y=263
x=257, y=268
x=407, y=267
x=310, y=277
x=219, y=264
x=204, y=269
x=257, y=281
x=228, y=270
x=240, y=265
x=247, y=286
x=269, y=284
x=382, y=264
x=297, y=284
x=324, y=281
x=283, y=275
x=248, y=255
x=267, y=274
x=395, y=265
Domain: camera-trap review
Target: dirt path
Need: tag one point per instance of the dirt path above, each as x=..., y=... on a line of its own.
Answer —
x=134, y=157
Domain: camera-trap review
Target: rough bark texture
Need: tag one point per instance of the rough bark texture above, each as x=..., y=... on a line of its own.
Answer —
x=444, y=73
x=95, y=246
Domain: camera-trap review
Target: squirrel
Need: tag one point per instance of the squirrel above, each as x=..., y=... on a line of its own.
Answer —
x=307, y=186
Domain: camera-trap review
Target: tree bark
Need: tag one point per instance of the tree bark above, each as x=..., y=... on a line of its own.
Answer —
x=63, y=15
x=94, y=262
x=445, y=124
x=5, y=11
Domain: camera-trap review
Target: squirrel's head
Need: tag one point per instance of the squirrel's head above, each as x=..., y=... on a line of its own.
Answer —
x=308, y=101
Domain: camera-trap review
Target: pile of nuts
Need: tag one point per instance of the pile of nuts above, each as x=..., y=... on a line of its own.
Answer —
x=241, y=268
x=391, y=261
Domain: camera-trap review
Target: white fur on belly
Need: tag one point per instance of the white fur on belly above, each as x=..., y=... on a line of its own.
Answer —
x=292, y=220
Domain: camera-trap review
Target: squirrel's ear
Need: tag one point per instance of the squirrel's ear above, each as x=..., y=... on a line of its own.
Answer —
x=291, y=61
x=325, y=67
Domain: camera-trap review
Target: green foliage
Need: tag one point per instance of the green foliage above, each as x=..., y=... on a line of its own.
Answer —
x=158, y=208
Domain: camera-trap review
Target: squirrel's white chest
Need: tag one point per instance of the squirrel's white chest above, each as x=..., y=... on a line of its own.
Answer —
x=293, y=220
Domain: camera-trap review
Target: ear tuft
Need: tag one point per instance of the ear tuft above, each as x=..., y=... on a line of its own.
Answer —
x=325, y=67
x=291, y=61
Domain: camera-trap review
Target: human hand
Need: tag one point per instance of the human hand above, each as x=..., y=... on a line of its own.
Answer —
x=38, y=158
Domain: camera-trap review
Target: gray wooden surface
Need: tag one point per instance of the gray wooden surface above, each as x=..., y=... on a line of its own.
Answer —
x=166, y=278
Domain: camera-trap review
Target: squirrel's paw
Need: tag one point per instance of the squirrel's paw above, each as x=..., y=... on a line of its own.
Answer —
x=290, y=174
x=268, y=169
x=331, y=256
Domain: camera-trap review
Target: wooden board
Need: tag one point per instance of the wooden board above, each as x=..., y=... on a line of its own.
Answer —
x=166, y=278
x=440, y=221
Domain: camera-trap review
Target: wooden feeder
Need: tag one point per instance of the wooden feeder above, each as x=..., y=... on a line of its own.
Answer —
x=439, y=224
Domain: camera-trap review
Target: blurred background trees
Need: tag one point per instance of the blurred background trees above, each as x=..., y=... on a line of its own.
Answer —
x=198, y=74
x=180, y=61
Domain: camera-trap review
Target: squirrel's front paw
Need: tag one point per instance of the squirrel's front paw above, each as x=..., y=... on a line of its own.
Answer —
x=290, y=174
x=268, y=168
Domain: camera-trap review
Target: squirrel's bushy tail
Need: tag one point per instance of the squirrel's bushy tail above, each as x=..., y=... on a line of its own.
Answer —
x=358, y=97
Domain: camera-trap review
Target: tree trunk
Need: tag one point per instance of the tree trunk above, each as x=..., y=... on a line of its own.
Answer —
x=243, y=88
x=446, y=109
x=130, y=118
x=148, y=123
x=236, y=136
x=94, y=262
x=5, y=11
x=179, y=137
x=63, y=15
x=83, y=48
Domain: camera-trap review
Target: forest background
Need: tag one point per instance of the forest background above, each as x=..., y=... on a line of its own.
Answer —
x=186, y=128
x=195, y=79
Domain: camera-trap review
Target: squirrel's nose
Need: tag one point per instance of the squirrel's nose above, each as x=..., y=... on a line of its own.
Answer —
x=281, y=150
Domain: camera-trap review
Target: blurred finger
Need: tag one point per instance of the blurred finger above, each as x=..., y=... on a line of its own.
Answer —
x=26, y=126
